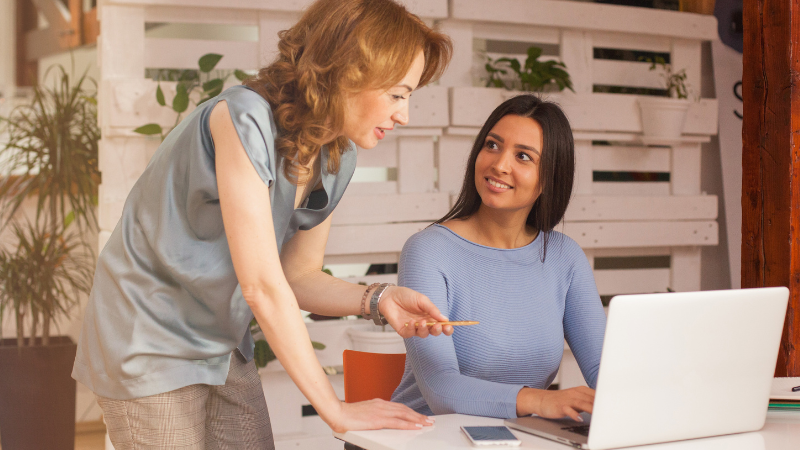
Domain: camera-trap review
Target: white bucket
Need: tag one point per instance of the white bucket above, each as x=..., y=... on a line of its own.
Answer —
x=663, y=117
x=370, y=338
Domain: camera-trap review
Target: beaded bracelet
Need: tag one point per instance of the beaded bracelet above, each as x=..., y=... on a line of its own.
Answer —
x=364, y=301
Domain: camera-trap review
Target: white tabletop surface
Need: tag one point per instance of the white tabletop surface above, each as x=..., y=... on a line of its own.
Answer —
x=781, y=432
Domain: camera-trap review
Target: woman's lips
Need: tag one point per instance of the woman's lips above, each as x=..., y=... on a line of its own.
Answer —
x=379, y=133
x=492, y=186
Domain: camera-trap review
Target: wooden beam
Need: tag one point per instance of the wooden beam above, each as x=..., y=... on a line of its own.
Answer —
x=64, y=31
x=771, y=161
x=91, y=27
x=26, y=20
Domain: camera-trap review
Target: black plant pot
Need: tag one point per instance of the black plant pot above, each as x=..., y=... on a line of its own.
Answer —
x=37, y=395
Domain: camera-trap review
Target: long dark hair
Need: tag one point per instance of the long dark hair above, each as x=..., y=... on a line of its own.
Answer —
x=556, y=166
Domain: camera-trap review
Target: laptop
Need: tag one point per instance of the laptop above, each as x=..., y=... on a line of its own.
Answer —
x=678, y=366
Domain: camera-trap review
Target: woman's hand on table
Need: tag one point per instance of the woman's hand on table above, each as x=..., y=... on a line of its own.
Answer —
x=555, y=404
x=376, y=414
x=409, y=312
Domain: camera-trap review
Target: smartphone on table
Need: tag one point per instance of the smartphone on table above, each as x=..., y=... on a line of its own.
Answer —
x=494, y=436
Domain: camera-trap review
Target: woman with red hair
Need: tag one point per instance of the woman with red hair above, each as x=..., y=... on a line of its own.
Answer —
x=230, y=221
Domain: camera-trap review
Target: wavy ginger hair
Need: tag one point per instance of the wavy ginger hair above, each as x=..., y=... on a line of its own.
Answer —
x=339, y=48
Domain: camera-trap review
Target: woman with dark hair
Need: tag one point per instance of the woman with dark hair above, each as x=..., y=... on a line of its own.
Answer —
x=496, y=258
x=230, y=221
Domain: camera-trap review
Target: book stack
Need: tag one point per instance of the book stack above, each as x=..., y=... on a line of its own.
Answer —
x=782, y=398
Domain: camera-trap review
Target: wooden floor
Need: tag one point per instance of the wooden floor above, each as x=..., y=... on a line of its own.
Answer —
x=89, y=438
x=90, y=435
x=93, y=440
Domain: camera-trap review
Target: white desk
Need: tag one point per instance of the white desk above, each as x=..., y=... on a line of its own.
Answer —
x=781, y=432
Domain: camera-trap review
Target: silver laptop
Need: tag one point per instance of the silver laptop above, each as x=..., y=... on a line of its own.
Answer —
x=678, y=366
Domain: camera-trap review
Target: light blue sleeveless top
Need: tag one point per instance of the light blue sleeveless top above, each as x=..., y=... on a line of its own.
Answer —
x=166, y=309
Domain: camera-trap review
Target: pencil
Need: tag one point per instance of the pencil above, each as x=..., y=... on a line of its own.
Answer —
x=455, y=323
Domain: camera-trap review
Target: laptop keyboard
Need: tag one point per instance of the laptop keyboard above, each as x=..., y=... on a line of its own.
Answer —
x=583, y=430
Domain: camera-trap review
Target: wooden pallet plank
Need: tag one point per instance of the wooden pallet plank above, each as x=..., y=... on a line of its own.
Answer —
x=589, y=16
x=631, y=159
x=370, y=188
x=685, y=173
x=630, y=41
x=584, y=162
x=389, y=238
x=383, y=238
x=184, y=53
x=626, y=73
x=516, y=33
x=430, y=9
x=121, y=48
x=453, y=154
x=642, y=234
x=632, y=281
x=459, y=72
x=594, y=208
x=415, y=167
x=204, y=15
x=685, y=269
x=609, y=113
x=578, y=55
x=382, y=155
x=631, y=188
x=428, y=107
x=376, y=209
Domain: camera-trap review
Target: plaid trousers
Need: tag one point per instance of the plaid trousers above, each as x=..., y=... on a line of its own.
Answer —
x=229, y=417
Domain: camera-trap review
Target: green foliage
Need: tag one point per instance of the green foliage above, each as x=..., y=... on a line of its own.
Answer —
x=198, y=83
x=149, y=129
x=240, y=75
x=262, y=353
x=675, y=82
x=51, y=152
x=50, y=155
x=44, y=276
x=534, y=75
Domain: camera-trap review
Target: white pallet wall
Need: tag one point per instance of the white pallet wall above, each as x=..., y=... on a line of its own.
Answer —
x=373, y=220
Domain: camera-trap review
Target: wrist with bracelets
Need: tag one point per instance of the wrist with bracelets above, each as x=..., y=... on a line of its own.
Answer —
x=364, y=301
x=374, y=310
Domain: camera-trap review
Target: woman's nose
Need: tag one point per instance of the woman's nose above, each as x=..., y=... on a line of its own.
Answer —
x=401, y=117
x=502, y=163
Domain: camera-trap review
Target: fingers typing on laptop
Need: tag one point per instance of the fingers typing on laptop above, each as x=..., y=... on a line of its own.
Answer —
x=555, y=404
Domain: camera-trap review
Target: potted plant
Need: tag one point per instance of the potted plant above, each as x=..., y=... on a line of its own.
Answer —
x=49, y=155
x=534, y=75
x=663, y=117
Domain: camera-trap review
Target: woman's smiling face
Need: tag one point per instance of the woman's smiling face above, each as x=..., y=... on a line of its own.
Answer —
x=369, y=114
x=507, y=167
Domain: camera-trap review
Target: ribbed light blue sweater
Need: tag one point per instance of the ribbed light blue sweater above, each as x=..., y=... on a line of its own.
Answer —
x=526, y=309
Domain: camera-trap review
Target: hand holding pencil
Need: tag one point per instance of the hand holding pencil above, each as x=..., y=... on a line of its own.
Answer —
x=455, y=323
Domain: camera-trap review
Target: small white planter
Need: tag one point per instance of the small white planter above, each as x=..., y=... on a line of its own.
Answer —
x=663, y=117
x=370, y=338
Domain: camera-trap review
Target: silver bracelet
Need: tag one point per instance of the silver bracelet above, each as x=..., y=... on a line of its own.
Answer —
x=374, y=311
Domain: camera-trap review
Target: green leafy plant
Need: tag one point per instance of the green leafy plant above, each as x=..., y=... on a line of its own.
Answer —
x=263, y=354
x=51, y=152
x=50, y=155
x=675, y=82
x=534, y=75
x=190, y=82
x=43, y=276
